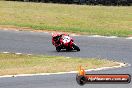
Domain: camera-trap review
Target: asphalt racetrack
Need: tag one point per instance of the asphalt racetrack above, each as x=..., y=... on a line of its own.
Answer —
x=117, y=49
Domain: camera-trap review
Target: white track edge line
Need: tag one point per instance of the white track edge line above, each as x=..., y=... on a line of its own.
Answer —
x=96, y=36
x=129, y=38
x=5, y=52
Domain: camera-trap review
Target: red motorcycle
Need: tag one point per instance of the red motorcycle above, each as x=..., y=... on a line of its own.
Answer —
x=64, y=41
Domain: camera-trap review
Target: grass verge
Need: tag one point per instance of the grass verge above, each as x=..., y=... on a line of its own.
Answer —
x=83, y=19
x=12, y=64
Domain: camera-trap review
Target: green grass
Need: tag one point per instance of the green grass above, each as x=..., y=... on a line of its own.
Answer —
x=11, y=64
x=83, y=19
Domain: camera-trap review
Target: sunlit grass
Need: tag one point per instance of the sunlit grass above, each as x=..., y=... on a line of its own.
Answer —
x=11, y=64
x=84, y=19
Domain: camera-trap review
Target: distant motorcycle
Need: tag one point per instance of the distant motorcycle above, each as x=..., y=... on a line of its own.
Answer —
x=64, y=41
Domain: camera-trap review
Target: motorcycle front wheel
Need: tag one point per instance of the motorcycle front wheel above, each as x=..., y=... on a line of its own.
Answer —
x=76, y=47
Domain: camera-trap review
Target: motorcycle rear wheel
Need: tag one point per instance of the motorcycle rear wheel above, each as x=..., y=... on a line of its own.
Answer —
x=58, y=49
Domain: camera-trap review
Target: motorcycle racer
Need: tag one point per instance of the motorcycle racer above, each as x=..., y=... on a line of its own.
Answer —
x=63, y=41
x=56, y=38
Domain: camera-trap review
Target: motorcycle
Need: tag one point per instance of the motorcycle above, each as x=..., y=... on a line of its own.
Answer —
x=66, y=42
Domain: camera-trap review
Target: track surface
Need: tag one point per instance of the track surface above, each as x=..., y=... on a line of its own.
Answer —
x=118, y=49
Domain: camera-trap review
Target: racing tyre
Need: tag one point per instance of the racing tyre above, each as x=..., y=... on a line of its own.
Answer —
x=58, y=49
x=76, y=47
